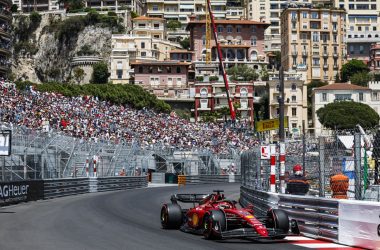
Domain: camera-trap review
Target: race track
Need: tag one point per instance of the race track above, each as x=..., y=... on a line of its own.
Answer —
x=112, y=220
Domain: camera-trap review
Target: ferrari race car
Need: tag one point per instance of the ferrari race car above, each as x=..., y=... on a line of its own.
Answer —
x=218, y=218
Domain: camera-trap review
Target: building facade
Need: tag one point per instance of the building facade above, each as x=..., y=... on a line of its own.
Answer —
x=178, y=10
x=5, y=36
x=343, y=92
x=210, y=96
x=147, y=41
x=165, y=79
x=241, y=41
x=295, y=100
x=363, y=26
x=374, y=57
x=314, y=41
x=106, y=5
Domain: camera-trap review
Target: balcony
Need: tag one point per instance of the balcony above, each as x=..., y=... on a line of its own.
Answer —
x=325, y=54
x=304, y=53
x=294, y=53
x=335, y=66
x=325, y=66
x=335, y=54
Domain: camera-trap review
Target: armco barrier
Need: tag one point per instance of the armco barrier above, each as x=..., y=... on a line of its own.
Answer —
x=121, y=183
x=205, y=179
x=65, y=187
x=316, y=217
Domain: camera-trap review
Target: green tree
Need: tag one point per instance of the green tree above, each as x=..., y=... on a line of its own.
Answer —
x=72, y=5
x=100, y=73
x=174, y=24
x=361, y=78
x=347, y=114
x=242, y=73
x=337, y=78
x=352, y=67
x=134, y=14
x=78, y=74
x=277, y=59
x=14, y=8
x=185, y=43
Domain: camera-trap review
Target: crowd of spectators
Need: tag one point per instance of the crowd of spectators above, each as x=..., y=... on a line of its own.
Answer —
x=89, y=118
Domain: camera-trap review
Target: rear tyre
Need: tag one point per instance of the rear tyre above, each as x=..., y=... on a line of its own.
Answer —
x=214, y=223
x=278, y=219
x=171, y=216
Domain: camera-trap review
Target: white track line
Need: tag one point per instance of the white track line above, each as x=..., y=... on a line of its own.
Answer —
x=321, y=245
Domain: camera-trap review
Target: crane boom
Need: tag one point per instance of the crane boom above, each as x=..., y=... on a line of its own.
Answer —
x=220, y=56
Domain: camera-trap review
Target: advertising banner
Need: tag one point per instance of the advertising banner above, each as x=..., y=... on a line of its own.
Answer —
x=21, y=191
x=273, y=124
x=5, y=142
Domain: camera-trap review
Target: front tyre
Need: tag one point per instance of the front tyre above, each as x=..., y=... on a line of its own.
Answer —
x=171, y=216
x=278, y=219
x=214, y=223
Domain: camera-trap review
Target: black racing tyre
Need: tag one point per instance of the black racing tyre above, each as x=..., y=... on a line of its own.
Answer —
x=171, y=216
x=278, y=219
x=214, y=223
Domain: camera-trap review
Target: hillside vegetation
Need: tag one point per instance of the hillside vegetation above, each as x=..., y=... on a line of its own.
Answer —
x=132, y=95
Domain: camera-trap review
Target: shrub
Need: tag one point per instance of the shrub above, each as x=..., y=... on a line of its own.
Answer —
x=213, y=78
x=100, y=73
x=174, y=24
x=199, y=78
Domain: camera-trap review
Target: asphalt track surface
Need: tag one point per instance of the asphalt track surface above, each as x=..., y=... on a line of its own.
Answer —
x=127, y=220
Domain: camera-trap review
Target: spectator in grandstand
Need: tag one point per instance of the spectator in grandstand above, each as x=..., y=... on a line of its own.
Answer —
x=297, y=183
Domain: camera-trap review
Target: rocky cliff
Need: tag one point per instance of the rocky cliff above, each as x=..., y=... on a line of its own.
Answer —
x=45, y=45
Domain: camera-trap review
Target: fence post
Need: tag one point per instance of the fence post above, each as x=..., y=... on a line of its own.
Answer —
x=282, y=167
x=304, y=154
x=321, y=166
x=273, y=168
x=357, y=159
x=258, y=171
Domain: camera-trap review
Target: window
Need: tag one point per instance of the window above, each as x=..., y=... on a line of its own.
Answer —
x=150, y=69
x=156, y=26
x=119, y=73
x=229, y=29
x=170, y=81
x=361, y=49
x=178, y=69
x=294, y=98
x=203, y=40
x=315, y=61
x=179, y=81
x=220, y=29
x=374, y=28
x=155, y=7
x=238, y=29
x=294, y=87
x=203, y=92
x=342, y=97
x=141, y=25
x=143, y=54
x=315, y=37
x=294, y=111
x=143, y=45
x=304, y=14
x=243, y=92
x=324, y=97
x=314, y=15
x=361, y=97
x=169, y=69
x=204, y=103
x=140, y=69
x=351, y=28
x=253, y=41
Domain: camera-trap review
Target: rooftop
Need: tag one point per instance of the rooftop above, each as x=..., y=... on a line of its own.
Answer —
x=181, y=51
x=341, y=86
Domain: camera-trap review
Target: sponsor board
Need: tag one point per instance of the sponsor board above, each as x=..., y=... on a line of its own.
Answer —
x=20, y=191
x=5, y=142
x=271, y=124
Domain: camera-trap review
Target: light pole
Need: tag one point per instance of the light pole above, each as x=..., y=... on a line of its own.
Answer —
x=281, y=99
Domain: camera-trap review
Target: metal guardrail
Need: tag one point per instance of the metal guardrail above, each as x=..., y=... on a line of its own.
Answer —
x=205, y=179
x=121, y=183
x=316, y=217
x=65, y=187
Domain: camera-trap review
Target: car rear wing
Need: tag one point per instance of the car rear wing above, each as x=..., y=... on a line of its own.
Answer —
x=188, y=198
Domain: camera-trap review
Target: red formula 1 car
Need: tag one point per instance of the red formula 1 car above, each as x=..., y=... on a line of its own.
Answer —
x=218, y=218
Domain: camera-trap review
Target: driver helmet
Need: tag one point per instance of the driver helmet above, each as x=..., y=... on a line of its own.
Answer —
x=297, y=169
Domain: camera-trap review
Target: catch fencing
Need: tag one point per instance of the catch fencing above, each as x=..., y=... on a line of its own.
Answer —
x=54, y=155
x=353, y=155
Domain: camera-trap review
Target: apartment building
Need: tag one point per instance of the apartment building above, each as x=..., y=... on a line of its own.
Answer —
x=270, y=11
x=211, y=96
x=363, y=26
x=165, y=79
x=241, y=41
x=146, y=42
x=314, y=41
x=51, y=5
x=181, y=10
x=295, y=99
x=374, y=57
x=5, y=37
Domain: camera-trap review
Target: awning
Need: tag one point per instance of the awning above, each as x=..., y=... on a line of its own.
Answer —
x=186, y=6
